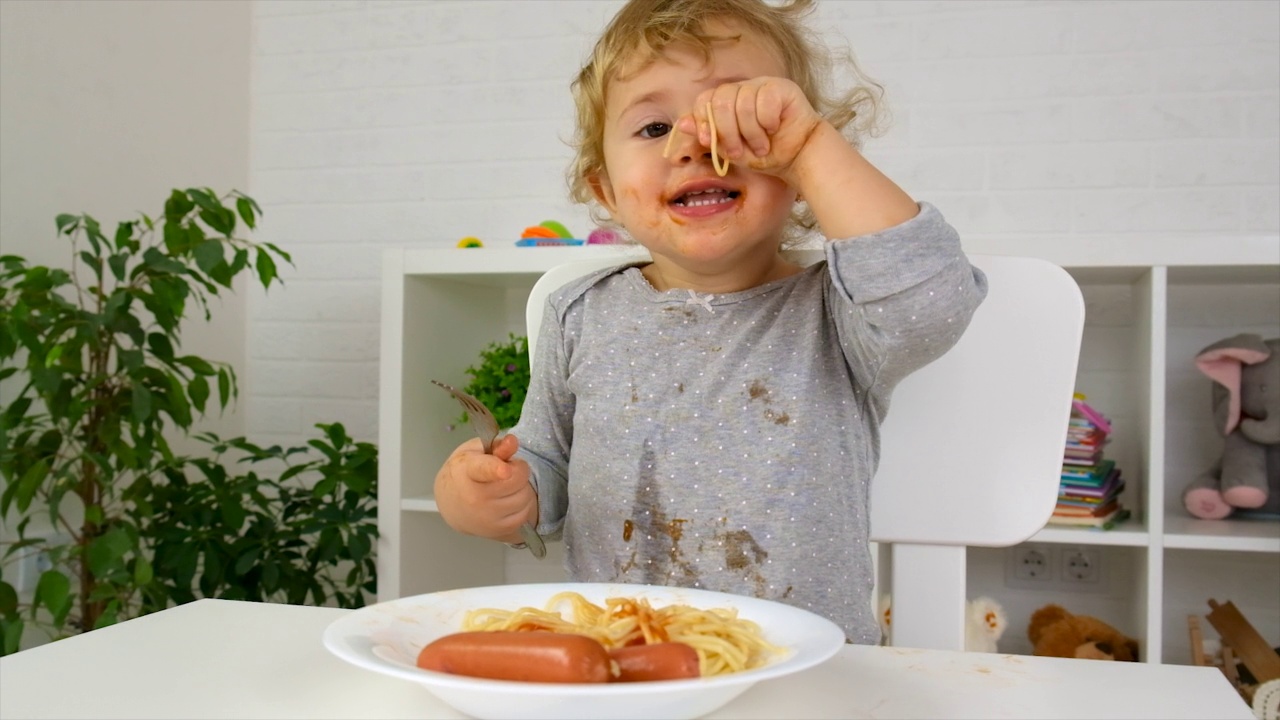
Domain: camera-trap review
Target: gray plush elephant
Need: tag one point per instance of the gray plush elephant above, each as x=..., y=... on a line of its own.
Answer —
x=1245, y=370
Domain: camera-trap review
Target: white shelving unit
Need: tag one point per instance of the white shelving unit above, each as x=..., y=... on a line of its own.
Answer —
x=1152, y=302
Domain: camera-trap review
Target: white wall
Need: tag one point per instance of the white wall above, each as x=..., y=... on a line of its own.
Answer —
x=107, y=105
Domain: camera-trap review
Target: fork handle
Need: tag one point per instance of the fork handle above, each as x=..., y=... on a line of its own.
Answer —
x=532, y=540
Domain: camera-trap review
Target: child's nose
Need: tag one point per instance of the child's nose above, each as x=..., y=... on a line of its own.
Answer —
x=685, y=148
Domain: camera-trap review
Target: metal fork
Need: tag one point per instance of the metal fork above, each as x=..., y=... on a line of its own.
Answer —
x=486, y=427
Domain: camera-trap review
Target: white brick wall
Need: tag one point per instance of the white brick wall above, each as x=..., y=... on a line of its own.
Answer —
x=385, y=123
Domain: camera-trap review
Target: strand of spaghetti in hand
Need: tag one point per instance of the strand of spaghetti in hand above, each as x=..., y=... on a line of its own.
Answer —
x=671, y=135
x=724, y=642
x=716, y=160
x=721, y=170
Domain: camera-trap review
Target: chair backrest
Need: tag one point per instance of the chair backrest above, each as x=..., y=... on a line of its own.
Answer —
x=971, y=449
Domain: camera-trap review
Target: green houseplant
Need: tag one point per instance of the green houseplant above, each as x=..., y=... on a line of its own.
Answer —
x=501, y=379
x=295, y=525
x=94, y=378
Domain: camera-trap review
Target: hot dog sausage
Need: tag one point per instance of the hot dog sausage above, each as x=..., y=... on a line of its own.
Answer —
x=660, y=661
x=525, y=656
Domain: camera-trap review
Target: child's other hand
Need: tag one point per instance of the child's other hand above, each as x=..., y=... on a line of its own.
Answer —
x=762, y=123
x=486, y=495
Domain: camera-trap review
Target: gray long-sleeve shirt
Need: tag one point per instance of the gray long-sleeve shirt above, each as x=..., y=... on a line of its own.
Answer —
x=727, y=442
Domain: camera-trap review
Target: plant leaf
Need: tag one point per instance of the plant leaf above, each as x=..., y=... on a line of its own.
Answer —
x=288, y=258
x=204, y=198
x=358, y=545
x=124, y=232
x=219, y=219
x=108, y=616
x=198, y=390
x=266, y=268
x=336, y=432
x=245, y=207
x=325, y=487
x=8, y=600
x=53, y=590
x=67, y=223
x=270, y=577
x=31, y=481
x=208, y=255
x=197, y=364
x=141, y=402
x=142, y=571
x=105, y=552
x=119, y=263
x=247, y=561
x=12, y=634
x=160, y=346
x=177, y=206
x=224, y=387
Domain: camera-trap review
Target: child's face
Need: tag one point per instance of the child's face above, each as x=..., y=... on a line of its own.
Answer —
x=737, y=217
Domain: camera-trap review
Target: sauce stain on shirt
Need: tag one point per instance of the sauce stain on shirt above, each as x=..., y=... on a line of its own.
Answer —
x=759, y=391
x=743, y=554
x=660, y=535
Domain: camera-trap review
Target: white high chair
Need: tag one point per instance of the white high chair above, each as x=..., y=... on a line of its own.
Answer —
x=971, y=449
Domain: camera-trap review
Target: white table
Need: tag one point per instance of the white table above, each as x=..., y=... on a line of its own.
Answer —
x=223, y=659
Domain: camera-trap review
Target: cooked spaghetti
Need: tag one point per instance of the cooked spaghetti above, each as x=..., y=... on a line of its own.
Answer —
x=716, y=160
x=724, y=642
x=721, y=170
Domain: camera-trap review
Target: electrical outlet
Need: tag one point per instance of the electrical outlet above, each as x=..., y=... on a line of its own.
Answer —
x=1049, y=567
x=1029, y=566
x=1032, y=565
x=1080, y=565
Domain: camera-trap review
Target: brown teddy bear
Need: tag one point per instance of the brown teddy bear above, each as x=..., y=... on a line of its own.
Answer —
x=1054, y=632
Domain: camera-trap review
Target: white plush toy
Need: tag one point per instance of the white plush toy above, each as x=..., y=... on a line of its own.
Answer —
x=985, y=622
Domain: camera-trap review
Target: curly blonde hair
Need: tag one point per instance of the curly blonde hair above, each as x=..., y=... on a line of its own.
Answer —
x=644, y=29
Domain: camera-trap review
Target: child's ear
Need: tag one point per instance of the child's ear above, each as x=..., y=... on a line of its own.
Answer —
x=602, y=189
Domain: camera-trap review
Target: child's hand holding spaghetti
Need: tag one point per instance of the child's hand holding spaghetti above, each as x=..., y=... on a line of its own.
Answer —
x=764, y=123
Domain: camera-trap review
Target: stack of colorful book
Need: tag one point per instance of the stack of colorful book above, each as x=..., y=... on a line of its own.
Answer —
x=1089, y=495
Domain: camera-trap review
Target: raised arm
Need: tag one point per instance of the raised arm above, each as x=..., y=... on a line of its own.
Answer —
x=767, y=124
x=848, y=195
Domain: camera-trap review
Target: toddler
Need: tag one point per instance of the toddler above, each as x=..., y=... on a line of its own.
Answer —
x=711, y=418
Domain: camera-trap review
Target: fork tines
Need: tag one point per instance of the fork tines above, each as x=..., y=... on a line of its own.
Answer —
x=468, y=402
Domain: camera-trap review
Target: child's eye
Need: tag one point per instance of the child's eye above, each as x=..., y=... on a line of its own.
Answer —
x=654, y=130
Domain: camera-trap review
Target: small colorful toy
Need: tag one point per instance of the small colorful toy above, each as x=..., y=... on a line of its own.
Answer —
x=548, y=233
x=470, y=242
x=603, y=236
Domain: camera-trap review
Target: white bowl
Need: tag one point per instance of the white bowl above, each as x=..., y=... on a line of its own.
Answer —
x=387, y=637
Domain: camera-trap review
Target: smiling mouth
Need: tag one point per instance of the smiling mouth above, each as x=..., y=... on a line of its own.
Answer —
x=701, y=198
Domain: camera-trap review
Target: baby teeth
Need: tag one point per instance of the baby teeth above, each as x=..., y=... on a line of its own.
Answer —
x=709, y=201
